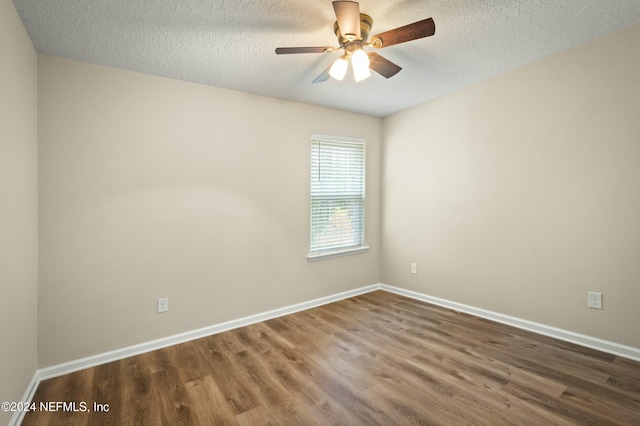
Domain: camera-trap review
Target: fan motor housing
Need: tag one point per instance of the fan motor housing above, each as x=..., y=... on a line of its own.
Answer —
x=366, y=22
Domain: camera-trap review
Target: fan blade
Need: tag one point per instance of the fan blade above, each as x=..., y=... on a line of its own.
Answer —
x=348, y=17
x=324, y=76
x=382, y=65
x=420, y=29
x=288, y=50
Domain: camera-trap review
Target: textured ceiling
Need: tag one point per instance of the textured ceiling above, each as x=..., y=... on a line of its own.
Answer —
x=230, y=43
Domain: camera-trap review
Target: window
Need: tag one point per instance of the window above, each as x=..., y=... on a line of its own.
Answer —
x=337, y=196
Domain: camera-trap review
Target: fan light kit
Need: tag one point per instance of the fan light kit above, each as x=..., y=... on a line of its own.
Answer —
x=352, y=29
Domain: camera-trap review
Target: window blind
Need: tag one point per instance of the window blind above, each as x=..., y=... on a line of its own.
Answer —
x=337, y=194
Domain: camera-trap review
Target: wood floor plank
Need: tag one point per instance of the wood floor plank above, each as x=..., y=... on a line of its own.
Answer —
x=230, y=343
x=106, y=401
x=374, y=359
x=209, y=402
x=193, y=365
x=292, y=372
x=271, y=393
x=72, y=389
x=140, y=406
x=258, y=416
x=627, y=368
x=231, y=381
x=398, y=392
x=175, y=404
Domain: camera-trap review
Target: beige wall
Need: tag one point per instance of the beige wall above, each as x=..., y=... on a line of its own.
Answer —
x=18, y=207
x=153, y=188
x=517, y=195
x=521, y=193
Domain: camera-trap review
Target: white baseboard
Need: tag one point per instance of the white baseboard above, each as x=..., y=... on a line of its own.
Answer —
x=558, y=333
x=103, y=358
x=106, y=357
x=18, y=416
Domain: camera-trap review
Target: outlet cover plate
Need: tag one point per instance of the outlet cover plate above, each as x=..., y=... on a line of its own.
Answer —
x=594, y=300
x=163, y=304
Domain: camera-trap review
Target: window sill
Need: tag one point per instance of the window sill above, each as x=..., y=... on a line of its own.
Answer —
x=337, y=253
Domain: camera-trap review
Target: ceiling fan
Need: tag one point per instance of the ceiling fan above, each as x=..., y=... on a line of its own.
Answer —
x=352, y=29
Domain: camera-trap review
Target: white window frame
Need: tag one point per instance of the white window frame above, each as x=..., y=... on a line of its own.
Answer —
x=360, y=247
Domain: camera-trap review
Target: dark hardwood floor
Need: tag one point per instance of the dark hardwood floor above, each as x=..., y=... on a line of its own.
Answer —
x=374, y=359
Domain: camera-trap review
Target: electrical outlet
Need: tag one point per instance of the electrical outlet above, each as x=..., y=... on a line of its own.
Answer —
x=594, y=300
x=163, y=304
x=414, y=268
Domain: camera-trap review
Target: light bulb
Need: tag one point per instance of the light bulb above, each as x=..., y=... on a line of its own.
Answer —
x=360, y=62
x=339, y=68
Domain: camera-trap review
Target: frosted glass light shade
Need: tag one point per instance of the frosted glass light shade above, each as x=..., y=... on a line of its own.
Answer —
x=338, y=69
x=360, y=62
